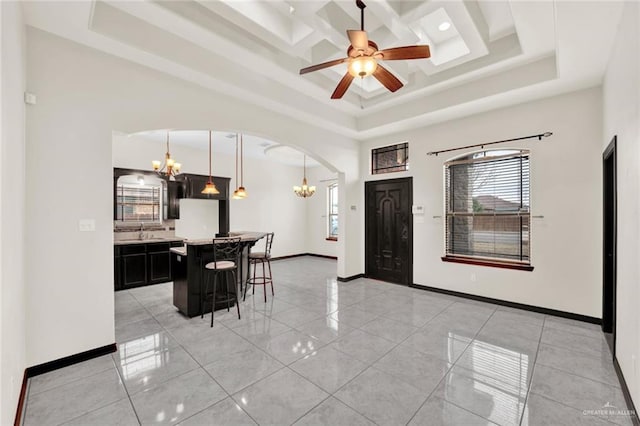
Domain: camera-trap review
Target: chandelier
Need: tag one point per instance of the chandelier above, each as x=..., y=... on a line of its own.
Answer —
x=169, y=168
x=305, y=190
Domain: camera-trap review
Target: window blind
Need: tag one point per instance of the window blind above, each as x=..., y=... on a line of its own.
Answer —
x=138, y=204
x=487, y=206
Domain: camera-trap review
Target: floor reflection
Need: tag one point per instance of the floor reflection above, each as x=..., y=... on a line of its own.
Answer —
x=142, y=355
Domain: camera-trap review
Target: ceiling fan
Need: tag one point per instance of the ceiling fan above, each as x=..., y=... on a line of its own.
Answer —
x=363, y=56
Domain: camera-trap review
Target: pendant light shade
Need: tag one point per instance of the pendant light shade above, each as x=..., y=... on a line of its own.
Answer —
x=240, y=192
x=305, y=190
x=210, y=187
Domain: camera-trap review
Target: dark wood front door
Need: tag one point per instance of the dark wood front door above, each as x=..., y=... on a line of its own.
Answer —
x=389, y=230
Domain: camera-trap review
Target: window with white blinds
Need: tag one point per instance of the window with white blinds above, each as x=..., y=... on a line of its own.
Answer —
x=136, y=203
x=487, y=206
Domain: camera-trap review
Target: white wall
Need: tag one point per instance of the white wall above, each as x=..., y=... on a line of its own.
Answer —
x=83, y=95
x=270, y=207
x=317, y=209
x=621, y=105
x=12, y=204
x=198, y=219
x=565, y=188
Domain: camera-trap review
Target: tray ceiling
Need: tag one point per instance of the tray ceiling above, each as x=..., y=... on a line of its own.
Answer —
x=491, y=53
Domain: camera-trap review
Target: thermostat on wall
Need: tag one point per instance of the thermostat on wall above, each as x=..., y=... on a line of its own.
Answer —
x=417, y=209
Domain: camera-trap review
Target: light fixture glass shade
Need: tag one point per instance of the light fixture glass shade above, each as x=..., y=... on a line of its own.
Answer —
x=241, y=193
x=210, y=189
x=176, y=167
x=362, y=66
x=156, y=165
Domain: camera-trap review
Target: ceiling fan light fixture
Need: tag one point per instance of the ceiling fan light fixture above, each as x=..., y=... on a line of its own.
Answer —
x=362, y=66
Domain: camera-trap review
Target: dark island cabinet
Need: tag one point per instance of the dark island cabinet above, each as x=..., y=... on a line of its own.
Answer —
x=140, y=264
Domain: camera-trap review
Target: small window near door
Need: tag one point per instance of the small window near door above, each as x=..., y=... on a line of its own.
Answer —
x=332, y=213
x=488, y=209
x=388, y=159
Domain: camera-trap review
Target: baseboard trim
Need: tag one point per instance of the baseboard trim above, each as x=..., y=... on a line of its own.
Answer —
x=625, y=392
x=351, y=278
x=21, y=399
x=37, y=370
x=291, y=256
x=538, y=309
x=56, y=364
x=323, y=256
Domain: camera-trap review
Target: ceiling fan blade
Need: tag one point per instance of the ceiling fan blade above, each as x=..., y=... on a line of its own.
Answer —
x=342, y=86
x=387, y=79
x=322, y=66
x=358, y=39
x=405, y=52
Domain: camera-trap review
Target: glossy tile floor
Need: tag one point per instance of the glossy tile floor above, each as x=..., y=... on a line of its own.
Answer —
x=327, y=353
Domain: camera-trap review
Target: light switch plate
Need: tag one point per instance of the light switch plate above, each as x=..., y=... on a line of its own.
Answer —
x=86, y=225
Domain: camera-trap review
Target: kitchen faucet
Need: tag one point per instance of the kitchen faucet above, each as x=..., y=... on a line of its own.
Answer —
x=141, y=234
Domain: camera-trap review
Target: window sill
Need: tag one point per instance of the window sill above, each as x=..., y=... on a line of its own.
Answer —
x=331, y=239
x=486, y=262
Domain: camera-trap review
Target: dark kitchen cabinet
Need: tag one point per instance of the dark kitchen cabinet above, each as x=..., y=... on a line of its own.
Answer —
x=159, y=263
x=133, y=259
x=175, y=191
x=194, y=184
x=117, y=284
x=140, y=264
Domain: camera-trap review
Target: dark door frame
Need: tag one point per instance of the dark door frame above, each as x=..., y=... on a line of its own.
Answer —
x=609, y=241
x=366, y=237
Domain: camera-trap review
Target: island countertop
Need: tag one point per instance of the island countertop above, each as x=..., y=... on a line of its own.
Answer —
x=244, y=236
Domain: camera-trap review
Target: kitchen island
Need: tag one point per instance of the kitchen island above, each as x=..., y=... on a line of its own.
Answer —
x=188, y=262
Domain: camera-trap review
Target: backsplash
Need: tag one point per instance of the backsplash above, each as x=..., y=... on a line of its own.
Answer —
x=130, y=231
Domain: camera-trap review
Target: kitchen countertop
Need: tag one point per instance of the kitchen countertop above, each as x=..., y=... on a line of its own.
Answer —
x=148, y=240
x=244, y=236
x=182, y=251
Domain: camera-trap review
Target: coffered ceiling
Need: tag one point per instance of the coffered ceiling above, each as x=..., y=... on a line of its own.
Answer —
x=485, y=53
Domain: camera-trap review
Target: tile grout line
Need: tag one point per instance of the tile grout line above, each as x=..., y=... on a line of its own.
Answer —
x=533, y=370
x=135, y=412
x=449, y=370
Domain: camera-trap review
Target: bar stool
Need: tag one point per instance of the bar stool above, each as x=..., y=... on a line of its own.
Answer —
x=225, y=260
x=262, y=258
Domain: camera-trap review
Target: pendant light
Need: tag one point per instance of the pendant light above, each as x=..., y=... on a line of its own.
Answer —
x=170, y=167
x=241, y=192
x=210, y=187
x=305, y=190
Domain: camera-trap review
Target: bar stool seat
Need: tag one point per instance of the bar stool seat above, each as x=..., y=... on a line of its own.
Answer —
x=226, y=253
x=222, y=264
x=259, y=255
x=262, y=257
